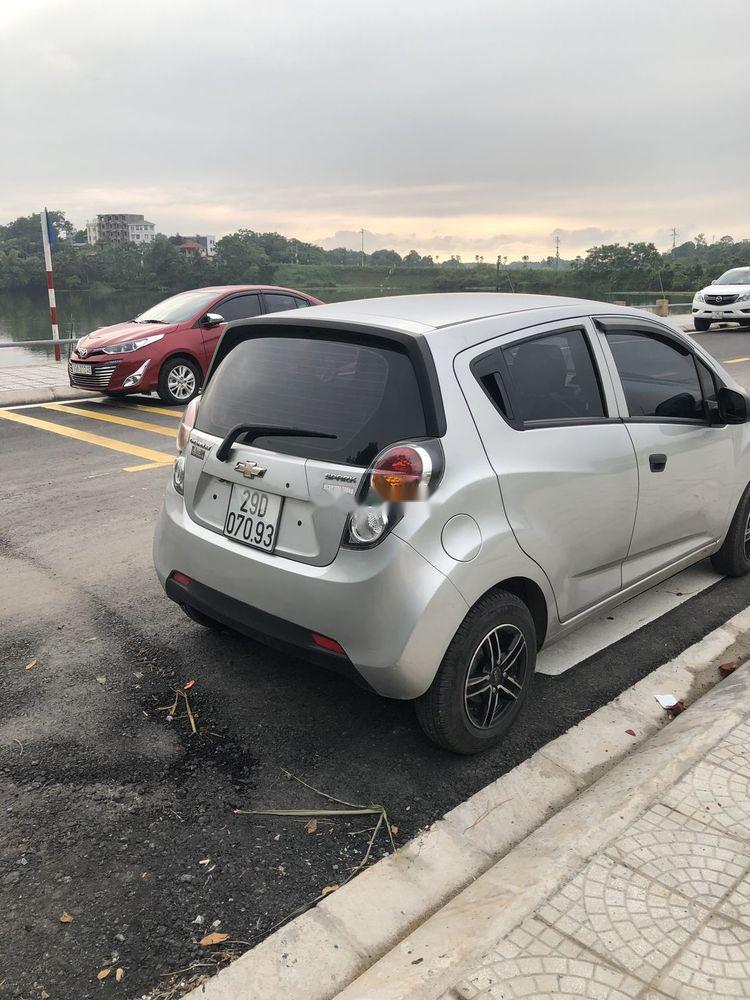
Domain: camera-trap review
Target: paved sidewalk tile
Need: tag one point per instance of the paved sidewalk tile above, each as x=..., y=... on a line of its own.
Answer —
x=682, y=854
x=31, y=376
x=715, y=796
x=734, y=751
x=535, y=961
x=716, y=963
x=737, y=904
x=621, y=916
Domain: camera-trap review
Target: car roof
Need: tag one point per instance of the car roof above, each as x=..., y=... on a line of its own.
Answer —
x=224, y=289
x=423, y=314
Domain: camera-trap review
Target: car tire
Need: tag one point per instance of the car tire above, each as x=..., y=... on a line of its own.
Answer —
x=180, y=380
x=205, y=620
x=701, y=325
x=455, y=711
x=733, y=558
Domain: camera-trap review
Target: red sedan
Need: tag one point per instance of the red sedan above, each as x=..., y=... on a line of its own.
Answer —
x=169, y=347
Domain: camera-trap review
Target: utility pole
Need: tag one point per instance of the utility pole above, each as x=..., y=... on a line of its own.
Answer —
x=557, y=253
x=362, y=252
x=674, y=237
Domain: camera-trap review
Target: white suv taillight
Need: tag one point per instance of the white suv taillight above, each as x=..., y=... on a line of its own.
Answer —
x=187, y=423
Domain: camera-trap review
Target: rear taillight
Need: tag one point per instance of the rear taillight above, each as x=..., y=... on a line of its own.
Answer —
x=402, y=474
x=187, y=423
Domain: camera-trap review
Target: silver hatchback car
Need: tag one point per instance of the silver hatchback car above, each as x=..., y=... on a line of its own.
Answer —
x=420, y=491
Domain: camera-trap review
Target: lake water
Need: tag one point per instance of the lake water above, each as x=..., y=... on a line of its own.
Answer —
x=26, y=317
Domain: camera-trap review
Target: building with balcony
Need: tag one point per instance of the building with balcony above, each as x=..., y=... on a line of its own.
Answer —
x=120, y=228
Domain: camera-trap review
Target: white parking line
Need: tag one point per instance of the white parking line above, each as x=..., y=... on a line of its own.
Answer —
x=622, y=621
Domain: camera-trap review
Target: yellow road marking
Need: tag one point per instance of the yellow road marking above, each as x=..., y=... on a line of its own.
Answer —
x=141, y=468
x=734, y=361
x=160, y=457
x=177, y=414
x=139, y=425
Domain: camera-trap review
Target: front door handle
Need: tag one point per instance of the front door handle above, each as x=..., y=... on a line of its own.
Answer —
x=658, y=463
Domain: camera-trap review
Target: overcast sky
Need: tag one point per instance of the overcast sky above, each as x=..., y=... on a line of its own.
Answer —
x=470, y=126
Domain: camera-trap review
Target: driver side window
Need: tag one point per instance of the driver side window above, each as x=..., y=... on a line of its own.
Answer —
x=239, y=307
x=659, y=377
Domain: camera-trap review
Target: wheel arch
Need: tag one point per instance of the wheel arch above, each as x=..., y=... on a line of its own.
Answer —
x=184, y=354
x=532, y=595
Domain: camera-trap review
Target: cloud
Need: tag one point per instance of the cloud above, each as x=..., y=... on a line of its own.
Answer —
x=479, y=130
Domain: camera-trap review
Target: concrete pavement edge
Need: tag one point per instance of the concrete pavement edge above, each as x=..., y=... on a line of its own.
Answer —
x=321, y=953
x=41, y=394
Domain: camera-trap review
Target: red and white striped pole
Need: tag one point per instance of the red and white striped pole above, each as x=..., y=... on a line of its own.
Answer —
x=50, y=285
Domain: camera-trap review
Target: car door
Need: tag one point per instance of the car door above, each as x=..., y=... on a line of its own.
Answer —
x=683, y=461
x=243, y=306
x=564, y=461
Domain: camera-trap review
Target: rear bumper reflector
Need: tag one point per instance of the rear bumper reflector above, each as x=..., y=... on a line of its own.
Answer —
x=330, y=644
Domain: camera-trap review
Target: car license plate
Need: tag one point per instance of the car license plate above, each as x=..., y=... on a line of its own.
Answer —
x=80, y=369
x=253, y=517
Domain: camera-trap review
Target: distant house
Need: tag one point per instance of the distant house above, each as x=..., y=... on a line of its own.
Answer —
x=203, y=245
x=120, y=228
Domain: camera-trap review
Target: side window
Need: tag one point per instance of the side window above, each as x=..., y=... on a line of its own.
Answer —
x=302, y=303
x=709, y=384
x=239, y=307
x=658, y=376
x=277, y=301
x=552, y=379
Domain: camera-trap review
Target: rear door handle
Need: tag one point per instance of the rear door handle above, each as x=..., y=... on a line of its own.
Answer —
x=658, y=463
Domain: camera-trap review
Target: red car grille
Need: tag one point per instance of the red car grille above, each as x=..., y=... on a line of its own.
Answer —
x=100, y=376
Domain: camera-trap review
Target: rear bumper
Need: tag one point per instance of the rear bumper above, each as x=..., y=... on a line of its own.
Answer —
x=259, y=625
x=393, y=613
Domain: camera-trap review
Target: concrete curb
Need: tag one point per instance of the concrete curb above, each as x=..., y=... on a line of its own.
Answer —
x=41, y=394
x=325, y=950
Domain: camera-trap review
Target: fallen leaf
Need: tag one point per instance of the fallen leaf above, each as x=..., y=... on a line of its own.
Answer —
x=210, y=939
x=725, y=669
x=186, y=687
x=678, y=707
x=119, y=975
x=328, y=890
x=101, y=680
x=311, y=825
x=138, y=675
x=66, y=918
x=31, y=665
x=44, y=995
x=630, y=732
x=394, y=829
x=103, y=974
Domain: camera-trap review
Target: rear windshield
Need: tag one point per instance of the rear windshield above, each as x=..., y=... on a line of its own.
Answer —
x=367, y=396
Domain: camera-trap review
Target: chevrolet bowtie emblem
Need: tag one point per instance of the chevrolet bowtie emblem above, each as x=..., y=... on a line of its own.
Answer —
x=250, y=470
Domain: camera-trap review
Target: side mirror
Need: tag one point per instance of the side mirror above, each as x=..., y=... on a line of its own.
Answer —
x=732, y=406
x=213, y=319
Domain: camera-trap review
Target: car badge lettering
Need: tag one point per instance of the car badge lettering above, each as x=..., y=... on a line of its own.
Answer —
x=250, y=470
x=340, y=479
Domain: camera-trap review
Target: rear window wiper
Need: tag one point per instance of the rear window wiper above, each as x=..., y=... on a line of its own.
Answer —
x=253, y=431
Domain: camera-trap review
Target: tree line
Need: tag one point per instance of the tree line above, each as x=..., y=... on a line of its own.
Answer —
x=249, y=257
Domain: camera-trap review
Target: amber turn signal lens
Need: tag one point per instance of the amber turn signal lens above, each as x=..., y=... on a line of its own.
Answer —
x=397, y=475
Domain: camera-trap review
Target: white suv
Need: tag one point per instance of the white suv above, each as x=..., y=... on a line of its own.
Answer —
x=726, y=300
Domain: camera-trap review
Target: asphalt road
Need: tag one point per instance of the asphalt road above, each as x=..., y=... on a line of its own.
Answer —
x=109, y=810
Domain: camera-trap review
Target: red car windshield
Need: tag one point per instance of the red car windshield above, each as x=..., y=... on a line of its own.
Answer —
x=178, y=308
